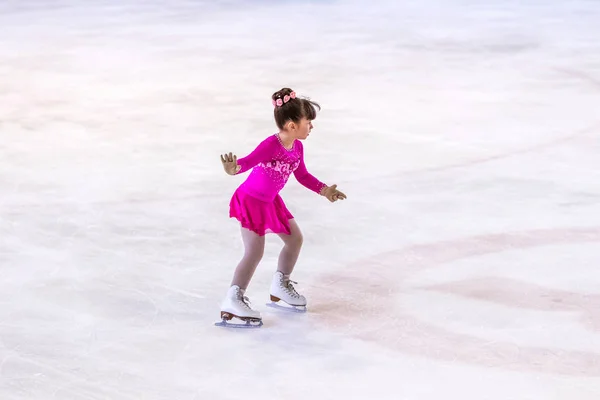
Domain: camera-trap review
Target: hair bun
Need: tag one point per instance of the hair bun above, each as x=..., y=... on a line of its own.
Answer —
x=280, y=94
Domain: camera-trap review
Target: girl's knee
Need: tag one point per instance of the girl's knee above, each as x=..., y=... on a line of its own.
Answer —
x=297, y=239
x=255, y=253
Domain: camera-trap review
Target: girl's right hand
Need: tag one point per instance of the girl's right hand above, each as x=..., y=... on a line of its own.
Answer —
x=230, y=164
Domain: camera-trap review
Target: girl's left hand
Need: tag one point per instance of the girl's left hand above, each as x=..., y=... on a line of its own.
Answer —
x=333, y=194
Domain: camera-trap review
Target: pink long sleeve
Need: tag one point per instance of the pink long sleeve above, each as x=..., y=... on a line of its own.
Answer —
x=305, y=178
x=262, y=153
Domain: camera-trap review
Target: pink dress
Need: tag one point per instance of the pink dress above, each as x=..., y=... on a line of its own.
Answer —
x=256, y=202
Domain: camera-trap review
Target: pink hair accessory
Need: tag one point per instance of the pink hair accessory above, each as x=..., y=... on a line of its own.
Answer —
x=286, y=98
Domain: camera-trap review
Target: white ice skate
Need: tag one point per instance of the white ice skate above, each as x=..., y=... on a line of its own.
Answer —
x=236, y=305
x=283, y=290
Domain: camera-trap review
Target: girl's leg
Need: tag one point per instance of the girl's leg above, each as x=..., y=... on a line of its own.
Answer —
x=254, y=248
x=291, y=249
x=281, y=286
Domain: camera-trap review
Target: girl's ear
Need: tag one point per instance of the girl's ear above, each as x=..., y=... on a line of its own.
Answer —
x=291, y=126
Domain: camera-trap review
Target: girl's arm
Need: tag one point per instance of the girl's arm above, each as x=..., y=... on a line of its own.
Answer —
x=262, y=153
x=305, y=178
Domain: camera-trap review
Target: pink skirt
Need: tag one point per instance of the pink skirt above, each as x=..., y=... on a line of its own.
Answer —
x=260, y=216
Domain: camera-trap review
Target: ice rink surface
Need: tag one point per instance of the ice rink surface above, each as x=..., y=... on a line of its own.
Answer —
x=463, y=265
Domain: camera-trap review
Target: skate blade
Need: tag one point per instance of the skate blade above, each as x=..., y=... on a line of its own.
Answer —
x=246, y=325
x=288, y=308
x=246, y=322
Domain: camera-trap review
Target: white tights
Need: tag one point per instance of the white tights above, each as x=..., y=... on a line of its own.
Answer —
x=254, y=248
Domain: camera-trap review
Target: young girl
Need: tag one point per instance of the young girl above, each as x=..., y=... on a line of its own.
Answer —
x=259, y=208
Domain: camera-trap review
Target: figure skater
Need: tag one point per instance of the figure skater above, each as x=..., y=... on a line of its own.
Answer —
x=259, y=208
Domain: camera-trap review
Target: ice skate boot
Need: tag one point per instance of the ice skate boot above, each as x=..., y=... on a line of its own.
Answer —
x=283, y=290
x=236, y=305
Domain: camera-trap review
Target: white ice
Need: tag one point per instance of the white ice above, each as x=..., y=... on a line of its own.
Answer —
x=463, y=265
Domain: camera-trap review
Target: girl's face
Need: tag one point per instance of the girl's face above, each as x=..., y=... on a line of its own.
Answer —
x=303, y=129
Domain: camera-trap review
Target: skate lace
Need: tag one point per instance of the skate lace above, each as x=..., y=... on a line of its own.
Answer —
x=290, y=288
x=245, y=301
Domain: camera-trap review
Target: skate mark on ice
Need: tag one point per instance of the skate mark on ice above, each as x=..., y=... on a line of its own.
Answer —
x=536, y=147
x=524, y=295
x=358, y=303
x=176, y=290
x=582, y=76
x=32, y=371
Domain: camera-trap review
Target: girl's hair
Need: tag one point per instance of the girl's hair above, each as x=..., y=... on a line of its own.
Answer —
x=289, y=107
